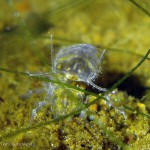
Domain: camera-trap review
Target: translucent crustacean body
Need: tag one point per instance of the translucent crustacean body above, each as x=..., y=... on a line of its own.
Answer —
x=80, y=62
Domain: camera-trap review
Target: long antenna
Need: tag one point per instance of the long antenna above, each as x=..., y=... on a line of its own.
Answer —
x=102, y=55
x=51, y=53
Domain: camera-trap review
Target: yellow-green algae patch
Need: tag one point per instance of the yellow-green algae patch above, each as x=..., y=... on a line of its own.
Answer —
x=76, y=132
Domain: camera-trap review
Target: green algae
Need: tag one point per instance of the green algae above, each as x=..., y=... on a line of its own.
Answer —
x=123, y=27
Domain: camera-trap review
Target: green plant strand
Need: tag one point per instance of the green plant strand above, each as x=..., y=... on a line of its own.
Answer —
x=107, y=132
x=134, y=110
x=11, y=134
x=129, y=73
x=64, y=7
x=77, y=88
x=123, y=51
x=62, y=84
x=140, y=7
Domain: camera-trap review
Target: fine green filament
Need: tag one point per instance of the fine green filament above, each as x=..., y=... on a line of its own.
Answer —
x=11, y=134
x=140, y=7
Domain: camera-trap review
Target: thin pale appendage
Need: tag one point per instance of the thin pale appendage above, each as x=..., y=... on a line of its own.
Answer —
x=97, y=87
x=51, y=52
x=102, y=55
x=90, y=80
x=34, y=111
x=38, y=74
x=50, y=88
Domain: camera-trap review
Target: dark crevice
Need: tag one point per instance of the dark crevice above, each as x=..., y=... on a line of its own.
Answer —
x=132, y=86
x=61, y=137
